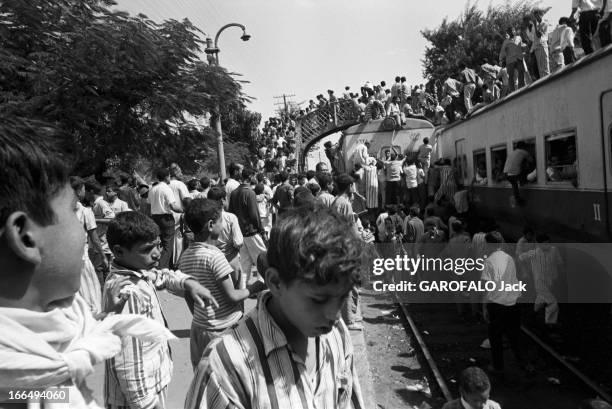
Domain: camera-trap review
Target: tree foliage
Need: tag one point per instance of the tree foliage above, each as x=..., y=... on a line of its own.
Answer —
x=472, y=37
x=117, y=86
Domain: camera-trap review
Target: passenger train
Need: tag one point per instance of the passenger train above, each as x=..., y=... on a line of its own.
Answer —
x=565, y=119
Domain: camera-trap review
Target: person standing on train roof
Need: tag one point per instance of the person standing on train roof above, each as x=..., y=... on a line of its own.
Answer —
x=587, y=21
x=468, y=76
x=511, y=55
x=514, y=166
x=424, y=156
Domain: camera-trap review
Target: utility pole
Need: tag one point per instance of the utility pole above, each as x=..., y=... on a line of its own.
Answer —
x=285, y=104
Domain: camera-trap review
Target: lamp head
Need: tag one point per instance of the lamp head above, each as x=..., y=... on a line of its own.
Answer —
x=245, y=36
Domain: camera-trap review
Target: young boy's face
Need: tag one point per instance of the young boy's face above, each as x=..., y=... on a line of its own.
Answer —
x=476, y=400
x=59, y=274
x=143, y=255
x=313, y=309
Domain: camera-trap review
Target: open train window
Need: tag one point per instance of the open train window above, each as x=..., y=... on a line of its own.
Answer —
x=561, y=159
x=529, y=167
x=480, y=167
x=498, y=160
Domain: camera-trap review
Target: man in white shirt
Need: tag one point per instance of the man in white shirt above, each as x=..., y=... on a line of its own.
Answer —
x=500, y=309
x=163, y=203
x=360, y=155
x=560, y=38
x=587, y=21
x=235, y=170
x=116, y=204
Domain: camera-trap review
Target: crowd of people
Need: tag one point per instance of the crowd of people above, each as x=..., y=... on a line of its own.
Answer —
x=298, y=244
x=529, y=52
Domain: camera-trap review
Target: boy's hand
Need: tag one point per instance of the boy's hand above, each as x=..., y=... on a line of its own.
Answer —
x=200, y=294
x=256, y=287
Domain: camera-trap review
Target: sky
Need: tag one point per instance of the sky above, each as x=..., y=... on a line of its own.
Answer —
x=305, y=47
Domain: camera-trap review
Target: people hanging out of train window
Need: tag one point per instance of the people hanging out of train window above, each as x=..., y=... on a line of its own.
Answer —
x=475, y=388
x=515, y=166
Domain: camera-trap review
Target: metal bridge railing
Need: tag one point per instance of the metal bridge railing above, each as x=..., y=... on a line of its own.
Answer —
x=325, y=120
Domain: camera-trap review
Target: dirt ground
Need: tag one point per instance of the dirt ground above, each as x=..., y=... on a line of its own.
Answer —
x=395, y=370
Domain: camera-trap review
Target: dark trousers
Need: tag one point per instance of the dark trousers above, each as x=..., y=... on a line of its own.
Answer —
x=514, y=181
x=516, y=69
x=532, y=64
x=393, y=192
x=568, y=55
x=166, y=235
x=504, y=320
x=587, y=24
x=412, y=197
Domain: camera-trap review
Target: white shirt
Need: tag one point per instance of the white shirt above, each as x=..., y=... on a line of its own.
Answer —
x=230, y=186
x=160, y=198
x=410, y=173
x=499, y=267
x=119, y=206
x=180, y=191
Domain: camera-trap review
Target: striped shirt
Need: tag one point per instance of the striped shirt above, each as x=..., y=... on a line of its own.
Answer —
x=208, y=265
x=135, y=376
x=371, y=186
x=90, y=285
x=252, y=366
x=545, y=266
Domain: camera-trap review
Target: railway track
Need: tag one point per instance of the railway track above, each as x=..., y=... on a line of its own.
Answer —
x=448, y=345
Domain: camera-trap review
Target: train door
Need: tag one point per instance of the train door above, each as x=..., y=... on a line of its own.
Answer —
x=460, y=163
x=606, y=129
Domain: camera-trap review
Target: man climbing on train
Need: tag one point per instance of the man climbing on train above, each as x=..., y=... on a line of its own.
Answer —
x=515, y=167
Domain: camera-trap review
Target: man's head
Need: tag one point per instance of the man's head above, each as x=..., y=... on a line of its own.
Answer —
x=111, y=193
x=37, y=205
x=494, y=239
x=474, y=387
x=414, y=211
x=163, y=175
x=143, y=191
x=310, y=174
x=92, y=191
x=247, y=175
x=344, y=182
x=204, y=182
x=511, y=32
x=312, y=269
x=193, y=184
x=321, y=167
x=403, y=79
x=326, y=182
x=204, y=218
x=175, y=171
x=218, y=194
x=302, y=179
x=397, y=79
x=235, y=170
x=134, y=240
x=425, y=140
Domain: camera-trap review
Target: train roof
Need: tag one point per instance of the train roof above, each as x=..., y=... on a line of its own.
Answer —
x=376, y=125
x=568, y=69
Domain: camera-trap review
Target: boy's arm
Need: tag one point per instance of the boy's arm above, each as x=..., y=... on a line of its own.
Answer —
x=178, y=283
x=128, y=365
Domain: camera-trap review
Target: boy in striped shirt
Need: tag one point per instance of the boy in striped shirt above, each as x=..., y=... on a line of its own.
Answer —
x=292, y=351
x=139, y=375
x=207, y=264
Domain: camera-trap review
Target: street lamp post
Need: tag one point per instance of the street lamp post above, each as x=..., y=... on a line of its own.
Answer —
x=213, y=51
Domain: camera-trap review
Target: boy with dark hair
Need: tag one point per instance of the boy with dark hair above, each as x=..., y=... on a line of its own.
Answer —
x=47, y=329
x=292, y=350
x=207, y=264
x=475, y=387
x=139, y=376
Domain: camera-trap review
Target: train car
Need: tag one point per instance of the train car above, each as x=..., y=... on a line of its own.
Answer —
x=565, y=119
x=383, y=136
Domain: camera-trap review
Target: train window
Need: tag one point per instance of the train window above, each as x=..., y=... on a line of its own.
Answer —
x=529, y=168
x=480, y=167
x=498, y=160
x=561, y=162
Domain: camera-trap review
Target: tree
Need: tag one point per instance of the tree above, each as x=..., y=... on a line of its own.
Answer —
x=472, y=37
x=116, y=85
